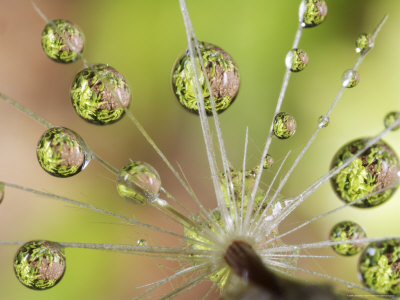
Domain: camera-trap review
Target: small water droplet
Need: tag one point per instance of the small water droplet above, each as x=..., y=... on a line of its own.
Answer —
x=375, y=169
x=268, y=161
x=378, y=267
x=350, y=78
x=138, y=182
x=390, y=118
x=347, y=231
x=97, y=93
x=364, y=43
x=62, y=41
x=39, y=265
x=323, y=121
x=62, y=153
x=222, y=73
x=141, y=242
x=312, y=12
x=284, y=125
x=2, y=191
x=296, y=60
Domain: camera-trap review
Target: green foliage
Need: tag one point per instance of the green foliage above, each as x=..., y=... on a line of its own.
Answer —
x=344, y=231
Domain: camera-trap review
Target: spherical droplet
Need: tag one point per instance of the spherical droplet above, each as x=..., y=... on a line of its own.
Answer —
x=2, y=191
x=375, y=169
x=284, y=125
x=364, y=43
x=138, y=182
x=323, y=121
x=379, y=267
x=296, y=60
x=390, y=118
x=347, y=231
x=62, y=152
x=62, y=41
x=350, y=78
x=312, y=12
x=222, y=73
x=268, y=161
x=141, y=242
x=97, y=94
x=39, y=265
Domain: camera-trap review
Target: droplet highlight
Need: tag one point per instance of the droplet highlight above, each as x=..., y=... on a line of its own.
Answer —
x=222, y=73
x=139, y=183
x=284, y=125
x=379, y=269
x=377, y=168
x=312, y=12
x=62, y=41
x=39, y=265
x=347, y=231
x=62, y=153
x=99, y=94
x=350, y=78
x=296, y=60
x=390, y=118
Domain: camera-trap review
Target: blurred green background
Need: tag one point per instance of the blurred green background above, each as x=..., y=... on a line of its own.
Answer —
x=142, y=39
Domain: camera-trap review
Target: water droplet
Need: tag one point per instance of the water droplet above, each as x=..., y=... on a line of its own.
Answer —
x=364, y=43
x=350, y=78
x=62, y=152
x=138, y=182
x=390, y=118
x=296, y=60
x=141, y=242
x=312, y=12
x=2, y=191
x=62, y=41
x=222, y=73
x=347, y=231
x=381, y=271
x=375, y=169
x=284, y=125
x=323, y=121
x=97, y=93
x=268, y=161
x=39, y=265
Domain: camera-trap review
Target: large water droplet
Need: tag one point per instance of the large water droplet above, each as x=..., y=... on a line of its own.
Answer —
x=97, y=94
x=347, y=231
x=350, y=78
x=323, y=121
x=390, y=118
x=284, y=125
x=364, y=43
x=379, y=267
x=312, y=12
x=62, y=153
x=62, y=41
x=39, y=265
x=222, y=73
x=296, y=60
x=375, y=169
x=139, y=182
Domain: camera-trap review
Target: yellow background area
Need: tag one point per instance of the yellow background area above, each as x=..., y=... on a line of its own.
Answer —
x=142, y=39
